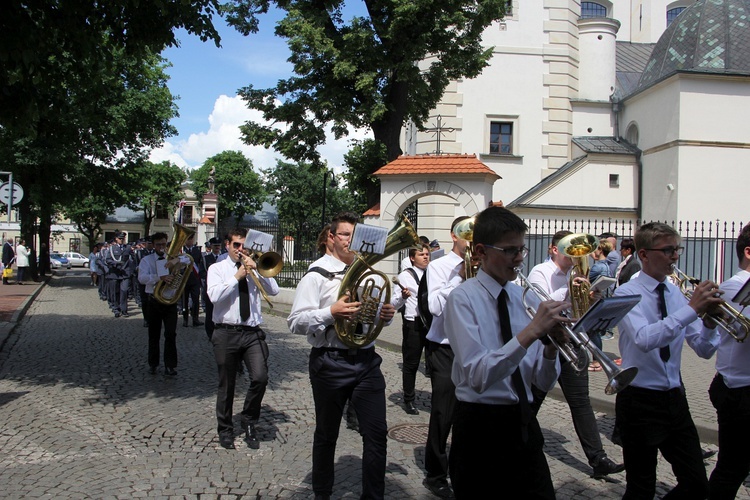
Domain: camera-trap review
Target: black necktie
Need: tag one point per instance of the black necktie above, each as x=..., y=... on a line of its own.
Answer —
x=244, y=298
x=664, y=351
x=518, y=385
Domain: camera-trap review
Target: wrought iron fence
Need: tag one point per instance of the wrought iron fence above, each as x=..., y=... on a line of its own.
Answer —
x=709, y=245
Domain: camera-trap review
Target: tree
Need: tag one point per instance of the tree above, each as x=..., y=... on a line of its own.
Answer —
x=381, y=69
x=106, y=126
x=47, y=47
x=238, y=186
x=155, y=185
x=297, y=192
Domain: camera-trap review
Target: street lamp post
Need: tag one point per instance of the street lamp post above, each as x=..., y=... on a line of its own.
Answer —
x=325, y=183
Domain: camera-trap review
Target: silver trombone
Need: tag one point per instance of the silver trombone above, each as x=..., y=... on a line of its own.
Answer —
x=579, y=350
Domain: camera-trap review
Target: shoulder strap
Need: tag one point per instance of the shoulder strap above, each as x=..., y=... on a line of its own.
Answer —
x=414, y=274
x=324, y=272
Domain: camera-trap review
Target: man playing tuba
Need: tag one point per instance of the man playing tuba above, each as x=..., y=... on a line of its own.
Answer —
x=338, y=372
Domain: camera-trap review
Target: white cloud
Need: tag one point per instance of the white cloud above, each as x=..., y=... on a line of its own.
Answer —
x=223, y=134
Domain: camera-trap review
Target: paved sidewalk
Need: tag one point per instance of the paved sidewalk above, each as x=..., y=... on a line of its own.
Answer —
x=83, y=418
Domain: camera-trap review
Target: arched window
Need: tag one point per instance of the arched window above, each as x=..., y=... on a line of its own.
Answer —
x=592, y=9
x=673, y=13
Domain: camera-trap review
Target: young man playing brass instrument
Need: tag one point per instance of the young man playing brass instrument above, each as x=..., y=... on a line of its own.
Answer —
x=338, y=372
x=652, y=412
x=496, y=359
x=238, y=337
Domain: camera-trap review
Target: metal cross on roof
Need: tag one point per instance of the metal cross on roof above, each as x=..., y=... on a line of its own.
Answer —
x=437, y=131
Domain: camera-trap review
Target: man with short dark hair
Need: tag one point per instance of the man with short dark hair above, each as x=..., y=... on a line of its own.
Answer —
x=652, y=413
x=151, y=270
x=238, y=337
x=8, y=255
x=191, y=296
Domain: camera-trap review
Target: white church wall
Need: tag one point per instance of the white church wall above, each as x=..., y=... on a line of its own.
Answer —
x=657, y=113
x=592, y=119
x=714, y=109
x=659, y=173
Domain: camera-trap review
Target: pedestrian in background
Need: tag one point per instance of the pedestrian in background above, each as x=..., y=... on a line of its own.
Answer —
x=8, y=255
x=22, y=261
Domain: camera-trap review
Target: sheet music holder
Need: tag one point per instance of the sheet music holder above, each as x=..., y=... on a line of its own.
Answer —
x=743, y=295
x=258, y=241
x=606, y=313
x=602, y=283
x=368, y=239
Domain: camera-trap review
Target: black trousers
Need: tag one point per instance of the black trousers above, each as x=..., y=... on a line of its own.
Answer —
x=733, y=413
x=439, y=362
x=144, y=300
x=659, y=421
x=336, y=376
x=575, y=387
x=160, y=314
x=209, y=323
x=412, y=343
x=514, y=464
x=232, y=347
x=191, y=300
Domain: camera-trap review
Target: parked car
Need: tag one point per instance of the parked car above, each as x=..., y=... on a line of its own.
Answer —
x=76, y=259
x=53, y=263
x=64, y=262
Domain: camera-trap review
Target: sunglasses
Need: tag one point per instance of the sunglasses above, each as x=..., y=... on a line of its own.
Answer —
x=237, y=244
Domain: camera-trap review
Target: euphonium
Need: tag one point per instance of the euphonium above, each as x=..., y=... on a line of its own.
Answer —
x=360, y=283
x=465, y=231
x=169, y=293
x=578, y=247
x=579, y=350
x=728, y=319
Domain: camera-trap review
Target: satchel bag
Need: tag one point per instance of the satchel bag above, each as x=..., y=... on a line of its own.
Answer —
x=8, y=272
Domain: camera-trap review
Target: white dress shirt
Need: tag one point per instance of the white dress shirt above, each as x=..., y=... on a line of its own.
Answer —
x=442, y=279
x=483, y=364
x=152, y=267
x=407, y=281
x=551, y=279
x=732, y=357
x=643, y=333
x=223, y=290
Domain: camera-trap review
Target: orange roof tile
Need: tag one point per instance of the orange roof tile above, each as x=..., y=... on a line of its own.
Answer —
x=373, y=210
x=436, y=164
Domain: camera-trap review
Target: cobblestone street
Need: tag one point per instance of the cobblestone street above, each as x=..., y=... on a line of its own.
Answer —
x=82, y=417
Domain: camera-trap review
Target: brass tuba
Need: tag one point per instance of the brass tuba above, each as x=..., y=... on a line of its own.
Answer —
x=169, y=293
x=360, y=283
x=578, y=246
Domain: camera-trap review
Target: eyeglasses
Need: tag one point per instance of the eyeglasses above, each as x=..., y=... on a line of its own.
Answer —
x=668, y=251
x=237, y=244
x=511, y=251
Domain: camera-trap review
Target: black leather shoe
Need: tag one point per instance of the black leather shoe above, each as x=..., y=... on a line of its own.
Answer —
x=605, y=467
x=439, y=487
x=197, y=322
x=185, y=322
x=251, y=437
x=410, y=408
x=170, y=371
x=226, y=441
x=117, y=314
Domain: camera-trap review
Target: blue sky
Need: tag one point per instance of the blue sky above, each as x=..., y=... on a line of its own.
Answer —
x=206, y=79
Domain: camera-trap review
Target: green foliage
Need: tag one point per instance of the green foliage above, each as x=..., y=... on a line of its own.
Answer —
x=362, y=159
x=152, y=185
x=239, y=187
x=48, y=48
x=297, y=192
x=375, y=71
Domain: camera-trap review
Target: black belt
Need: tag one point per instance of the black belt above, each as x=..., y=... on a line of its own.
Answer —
x=238, y=328
x=346, y=352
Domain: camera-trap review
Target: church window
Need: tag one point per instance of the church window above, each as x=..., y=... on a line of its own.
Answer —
x=501, y=138
x=614, y=180
x=161, y=212
x=673, y=13
x=592, y=9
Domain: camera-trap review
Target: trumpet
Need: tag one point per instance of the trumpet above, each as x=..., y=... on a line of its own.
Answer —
x=579, y=350
x=268, y=265
x=728, y=319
